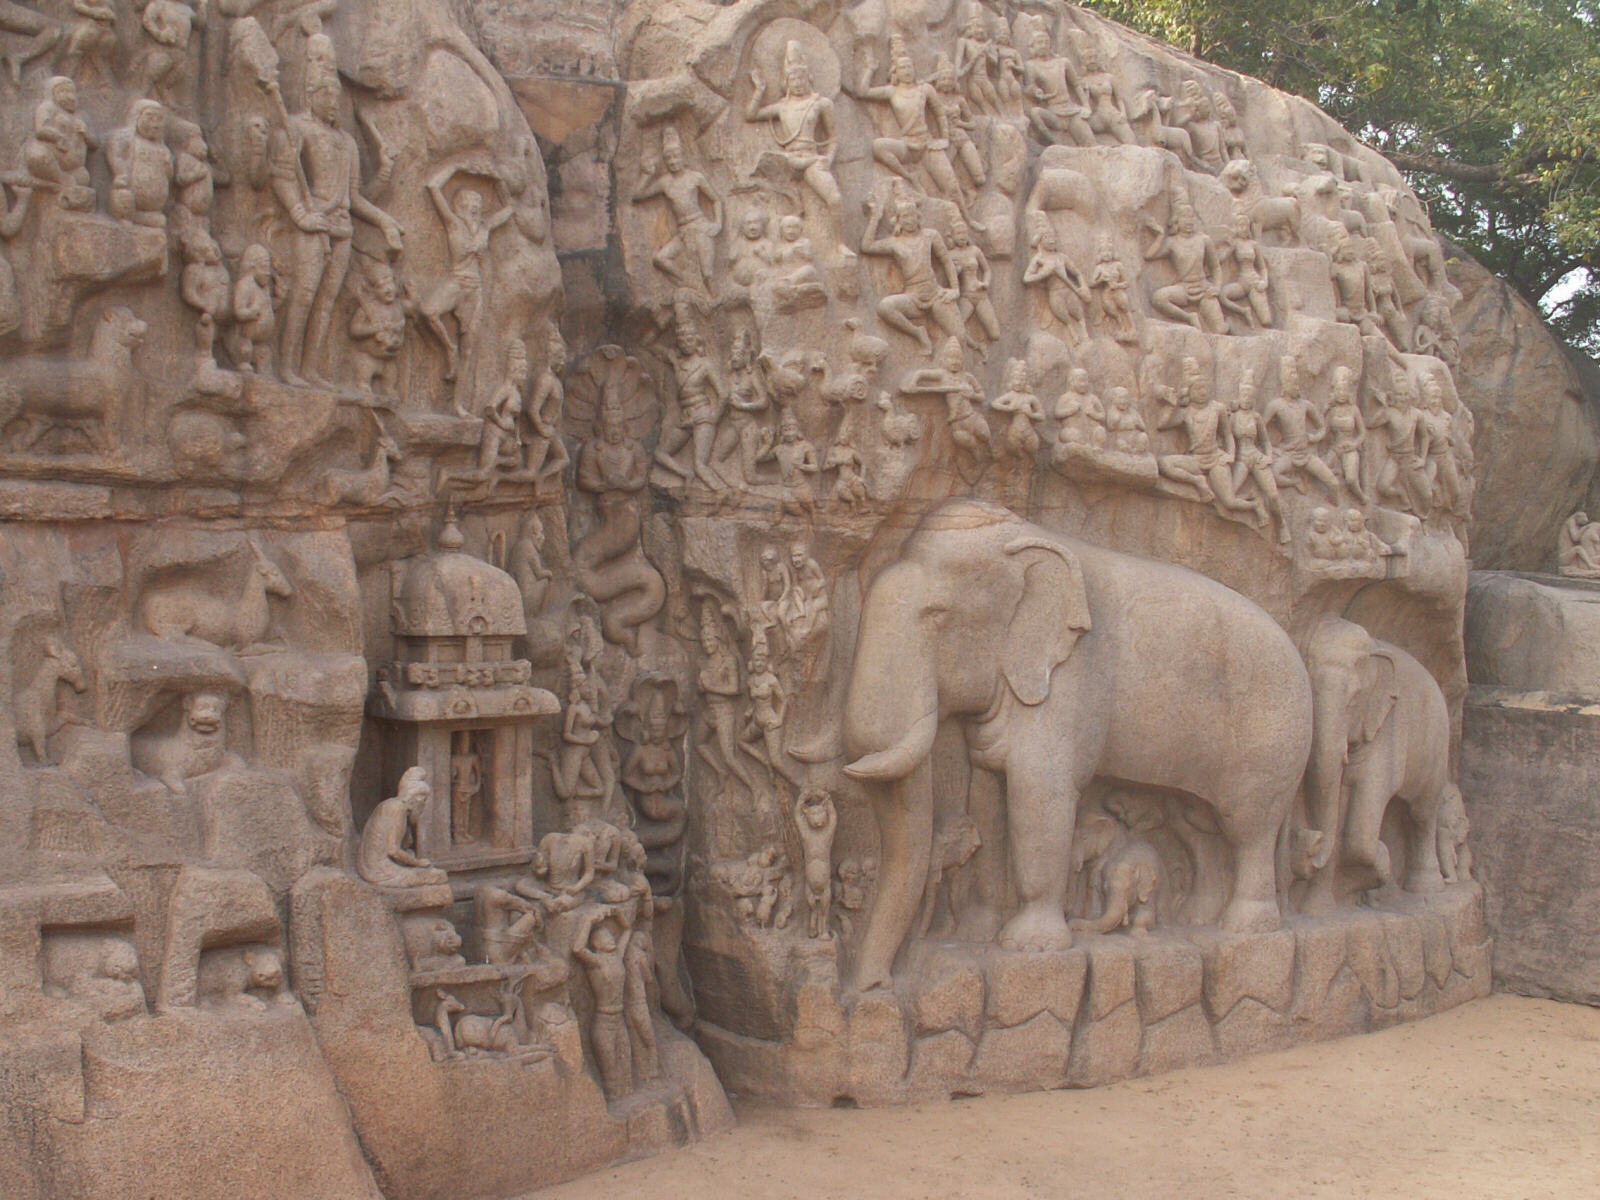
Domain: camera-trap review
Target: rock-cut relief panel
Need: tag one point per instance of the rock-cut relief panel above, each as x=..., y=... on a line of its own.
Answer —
x=963, y=318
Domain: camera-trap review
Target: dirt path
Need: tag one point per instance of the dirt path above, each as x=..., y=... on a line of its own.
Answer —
x=1500, y=1098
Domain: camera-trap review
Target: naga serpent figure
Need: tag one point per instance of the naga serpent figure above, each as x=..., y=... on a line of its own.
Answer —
x=609, y=562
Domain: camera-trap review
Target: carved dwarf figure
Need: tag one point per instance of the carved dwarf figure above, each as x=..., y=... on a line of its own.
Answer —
x=56, y=157
x=378, y=327
x=141, y=167
x=1050, y=270
x=256, y=294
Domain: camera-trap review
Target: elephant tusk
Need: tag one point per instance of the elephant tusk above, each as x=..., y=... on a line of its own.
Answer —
x=901, y=759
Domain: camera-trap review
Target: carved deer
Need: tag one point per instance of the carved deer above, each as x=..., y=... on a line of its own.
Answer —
x=190, y=611
x=37, y=710
x=368, y=486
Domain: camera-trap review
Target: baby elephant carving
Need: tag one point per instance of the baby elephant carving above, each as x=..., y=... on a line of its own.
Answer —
x=1125, y=873
x=1455, y=856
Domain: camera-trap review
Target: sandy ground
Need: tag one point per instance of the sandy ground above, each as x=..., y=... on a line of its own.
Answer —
x=1500, y=1098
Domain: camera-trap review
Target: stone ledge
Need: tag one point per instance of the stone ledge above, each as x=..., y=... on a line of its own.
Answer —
x=967, y=1019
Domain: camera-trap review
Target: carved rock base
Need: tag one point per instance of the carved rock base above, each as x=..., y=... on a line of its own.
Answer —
x=493, y=1124
x=968, y=1019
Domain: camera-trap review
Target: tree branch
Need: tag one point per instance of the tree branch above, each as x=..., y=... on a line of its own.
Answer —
x=1433, y=164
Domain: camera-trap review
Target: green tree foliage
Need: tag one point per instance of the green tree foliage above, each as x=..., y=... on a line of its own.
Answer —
x=1492, y=107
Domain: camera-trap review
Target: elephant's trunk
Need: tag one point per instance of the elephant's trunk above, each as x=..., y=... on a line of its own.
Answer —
x=905, y=845
x=891, y=706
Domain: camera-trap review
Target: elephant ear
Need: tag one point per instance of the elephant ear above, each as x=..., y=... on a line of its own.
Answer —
x=1376, y=698
x=1050, y=616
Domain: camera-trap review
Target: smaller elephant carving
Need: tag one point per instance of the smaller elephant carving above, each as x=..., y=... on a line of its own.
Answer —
x=1125, y=873
x=1455, y=856
x=1381, y=733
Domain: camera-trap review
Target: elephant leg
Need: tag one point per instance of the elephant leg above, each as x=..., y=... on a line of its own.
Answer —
x=905, y=849
x=1423, y=872
x=1254, y=838
x=1041, y=807
x=979, y=920
x=1364, y=849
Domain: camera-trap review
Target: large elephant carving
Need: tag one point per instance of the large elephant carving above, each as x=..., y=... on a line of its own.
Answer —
x=1382, y=732
x=1065, y=661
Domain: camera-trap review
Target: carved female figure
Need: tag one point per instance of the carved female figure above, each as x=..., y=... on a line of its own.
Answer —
x=1246, y=297
x=1019, y=403
x=1347, y=429
x=1253, y=453
x=762, y=736
x=1049, y=269
x=977, y=58
x=1106, y=116
x=972, y=274
x=958, y=122
x=1109, y=285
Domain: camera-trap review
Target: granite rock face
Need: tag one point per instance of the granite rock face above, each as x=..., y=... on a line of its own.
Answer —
x=1537, y=410
x=896, y=551
x=1527, y=752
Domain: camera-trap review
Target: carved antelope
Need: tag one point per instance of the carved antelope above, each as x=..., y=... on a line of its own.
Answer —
x=368, y=486
x=38, y=714
x=191, y=611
